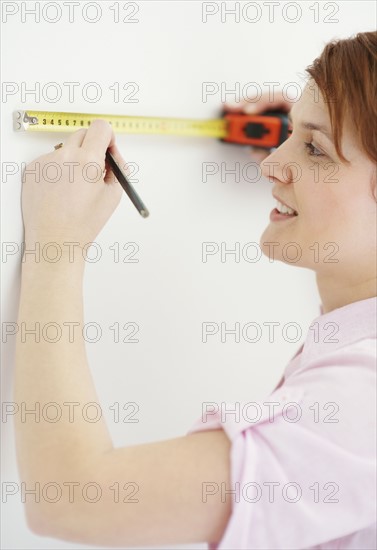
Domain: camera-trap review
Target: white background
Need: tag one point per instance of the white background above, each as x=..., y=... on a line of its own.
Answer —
x=170, y=52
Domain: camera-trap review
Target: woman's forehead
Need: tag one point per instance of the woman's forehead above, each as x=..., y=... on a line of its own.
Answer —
x=311, y=106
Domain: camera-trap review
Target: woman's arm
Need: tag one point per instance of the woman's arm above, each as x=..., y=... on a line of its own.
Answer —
x=148, y=494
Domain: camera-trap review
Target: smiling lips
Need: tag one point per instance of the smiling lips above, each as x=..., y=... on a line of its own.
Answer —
x=283, y=208
x=282, y=211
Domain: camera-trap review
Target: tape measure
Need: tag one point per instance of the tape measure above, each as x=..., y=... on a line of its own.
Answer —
x=266, y=130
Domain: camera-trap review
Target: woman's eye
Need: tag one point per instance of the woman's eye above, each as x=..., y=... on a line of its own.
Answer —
x=313, y=151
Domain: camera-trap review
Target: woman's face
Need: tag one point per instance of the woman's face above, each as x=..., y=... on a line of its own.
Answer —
x=336, y=226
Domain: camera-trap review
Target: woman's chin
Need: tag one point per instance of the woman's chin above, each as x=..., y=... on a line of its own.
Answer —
x=268, y=235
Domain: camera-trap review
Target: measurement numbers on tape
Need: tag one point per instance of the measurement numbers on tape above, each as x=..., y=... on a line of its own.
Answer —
x=44, y=121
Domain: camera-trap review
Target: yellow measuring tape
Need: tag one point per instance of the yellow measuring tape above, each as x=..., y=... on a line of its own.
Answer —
x=46, y=121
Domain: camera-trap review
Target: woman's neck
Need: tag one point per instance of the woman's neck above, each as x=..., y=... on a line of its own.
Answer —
x=336, y=293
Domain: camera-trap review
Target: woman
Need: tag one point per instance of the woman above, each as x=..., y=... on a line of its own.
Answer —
x=302, y=474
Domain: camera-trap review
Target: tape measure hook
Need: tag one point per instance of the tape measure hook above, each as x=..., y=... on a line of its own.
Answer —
x=22, y=120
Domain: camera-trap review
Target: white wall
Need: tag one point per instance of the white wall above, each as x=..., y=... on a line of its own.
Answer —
x=170, y=292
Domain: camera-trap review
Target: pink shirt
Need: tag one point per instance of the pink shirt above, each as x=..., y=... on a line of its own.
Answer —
x=303, y=466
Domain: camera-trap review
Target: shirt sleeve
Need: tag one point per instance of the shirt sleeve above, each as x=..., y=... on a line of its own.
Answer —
x=302, y=460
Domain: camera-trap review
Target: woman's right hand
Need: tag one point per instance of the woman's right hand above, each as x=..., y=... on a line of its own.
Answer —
x=278, y=102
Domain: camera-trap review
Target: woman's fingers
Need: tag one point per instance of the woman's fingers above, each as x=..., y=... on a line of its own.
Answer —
x=266, y=105
x=259, y=154
x=98, y=138
x=109, y=176
x=267, y=102
x=76, y=138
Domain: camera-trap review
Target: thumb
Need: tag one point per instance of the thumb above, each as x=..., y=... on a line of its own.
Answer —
x=258, y=154
x=265, y=105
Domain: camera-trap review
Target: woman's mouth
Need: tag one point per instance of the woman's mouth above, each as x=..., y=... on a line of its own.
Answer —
x=276, y=216
x=282, y=211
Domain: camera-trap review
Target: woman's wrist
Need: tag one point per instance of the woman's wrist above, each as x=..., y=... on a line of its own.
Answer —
x=53, y=250
x=52, y=257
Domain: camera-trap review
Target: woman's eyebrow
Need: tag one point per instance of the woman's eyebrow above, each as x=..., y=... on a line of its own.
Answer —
x=312, y=126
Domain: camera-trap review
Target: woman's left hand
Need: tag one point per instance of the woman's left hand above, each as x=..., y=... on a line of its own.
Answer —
x=66, y=194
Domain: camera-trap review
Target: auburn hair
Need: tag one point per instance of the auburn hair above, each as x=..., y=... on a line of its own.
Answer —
x=346, y=75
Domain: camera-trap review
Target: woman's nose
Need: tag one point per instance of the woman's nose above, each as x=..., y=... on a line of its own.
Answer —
x=277, y=166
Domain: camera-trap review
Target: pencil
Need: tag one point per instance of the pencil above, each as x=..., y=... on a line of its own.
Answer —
x=143, y=211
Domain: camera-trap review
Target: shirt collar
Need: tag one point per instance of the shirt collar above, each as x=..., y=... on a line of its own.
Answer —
x=340, y=327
